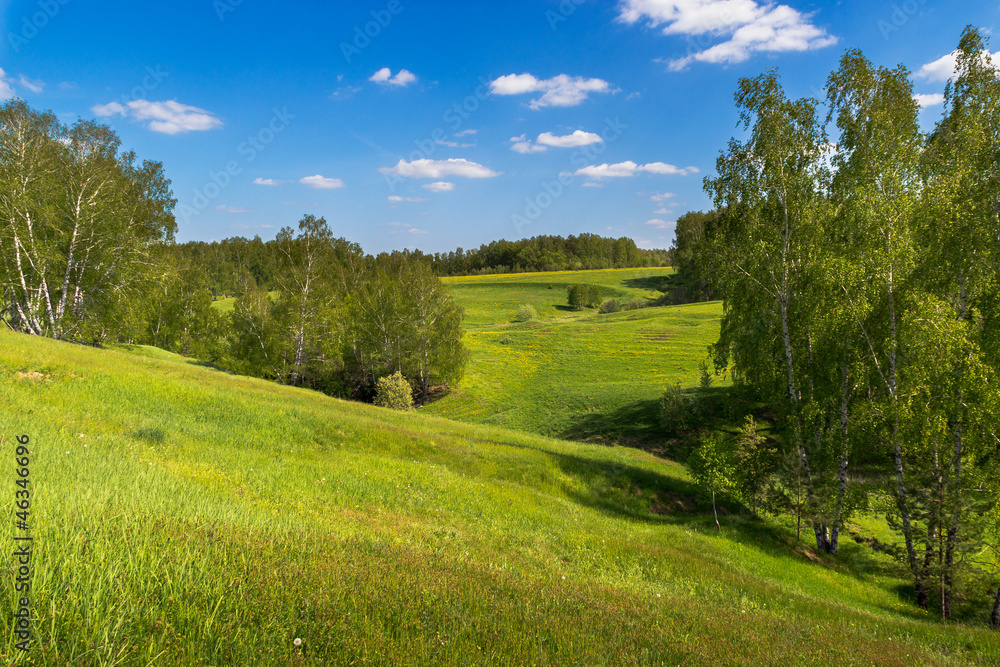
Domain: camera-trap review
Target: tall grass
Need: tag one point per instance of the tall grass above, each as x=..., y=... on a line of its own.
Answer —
x=184, y=516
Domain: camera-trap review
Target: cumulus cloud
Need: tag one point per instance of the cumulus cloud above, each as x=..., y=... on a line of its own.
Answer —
x=266, y=181
x=440, y=186
x=578, y=138
x=395, y=199
x=465, y=132
x=928, y=100
x=440, y=168
x=629, y=168
x=663, y=196
x=943, y=68
x=559, y=91
x=170, y=117
x=384, y=77
x=318, y=182
x=522, y=144
x=752, y=27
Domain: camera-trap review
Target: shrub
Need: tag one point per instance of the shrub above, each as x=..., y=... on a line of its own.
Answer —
x=526, y=313
x=394, y=391
x=674, y=409
x=635, y=304
x=610, y=306
x=584, y=296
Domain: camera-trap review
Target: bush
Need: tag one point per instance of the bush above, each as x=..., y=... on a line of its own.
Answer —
x=675, y=409
x=525, y=313
x=609, y=306
x=394, y=391
x=584, y=296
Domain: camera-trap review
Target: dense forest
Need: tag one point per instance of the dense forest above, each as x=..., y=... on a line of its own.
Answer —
x=861, y=278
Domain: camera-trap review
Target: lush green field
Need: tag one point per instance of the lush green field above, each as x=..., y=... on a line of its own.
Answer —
x=183, y=516
x=575, y=374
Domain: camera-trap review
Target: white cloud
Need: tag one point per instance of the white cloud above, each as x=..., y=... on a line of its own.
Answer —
x=166, y=117
x=32, y=85
x=928, y=100
x=318, y=182
x=578, y=138
x=69, y=85
x=465, y=132
x=660, y=224
x=750, y=26
x=559, y=91
x=384, y=77
x=591, y=184
x=943, y=68
x=662, y=196
x=453, y=144
x=406, y=228
x=6, y=90
x=440, y=168
x=522, y=144
x=267, y=181
x=629, y=168
x=440, y=186
x=395, y=199
x=661, y=211
x=233, y=209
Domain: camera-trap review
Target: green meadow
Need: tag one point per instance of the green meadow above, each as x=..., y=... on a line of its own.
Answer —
x=575, y=374
x=184, y=516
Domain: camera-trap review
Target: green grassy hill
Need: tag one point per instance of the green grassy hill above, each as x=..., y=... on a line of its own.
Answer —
x=184, y=516
x=575, y=374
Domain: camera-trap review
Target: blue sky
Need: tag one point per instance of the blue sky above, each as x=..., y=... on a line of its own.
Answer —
x=438, y=124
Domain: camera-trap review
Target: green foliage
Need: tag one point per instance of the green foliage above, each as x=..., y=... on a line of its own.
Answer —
x=584, y=296
x=675, y=409
x=394, y=391
x=694, y=258
x=712, y=467
x=525, y=313
x=80, y=223
x=609, y=306
x=754, y=463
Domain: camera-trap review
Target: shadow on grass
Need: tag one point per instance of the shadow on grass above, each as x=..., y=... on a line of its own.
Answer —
x=657, y=283
x=632, y=425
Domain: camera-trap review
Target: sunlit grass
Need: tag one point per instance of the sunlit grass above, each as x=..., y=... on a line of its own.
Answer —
x=577, y=374
x=183, y=516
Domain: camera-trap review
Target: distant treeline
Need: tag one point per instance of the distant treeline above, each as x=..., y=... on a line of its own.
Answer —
x=225, y=261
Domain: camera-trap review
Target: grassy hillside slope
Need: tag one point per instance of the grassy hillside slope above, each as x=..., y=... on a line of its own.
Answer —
x=183, y=516
x=575, y=374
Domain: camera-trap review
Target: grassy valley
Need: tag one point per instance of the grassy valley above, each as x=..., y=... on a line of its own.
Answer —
x=186, y=516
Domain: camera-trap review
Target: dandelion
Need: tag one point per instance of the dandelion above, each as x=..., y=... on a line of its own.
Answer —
x=297, y=642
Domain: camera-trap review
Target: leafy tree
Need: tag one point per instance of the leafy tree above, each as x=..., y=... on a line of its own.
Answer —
x=78, y=222
x=712, y=469
x=693, y=258
x=394, y=391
